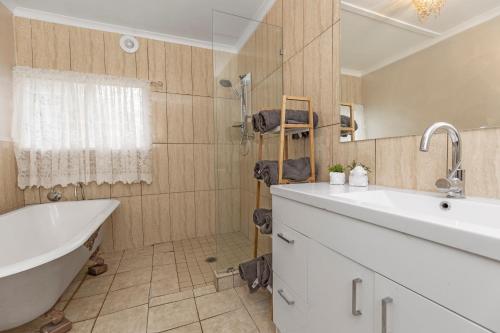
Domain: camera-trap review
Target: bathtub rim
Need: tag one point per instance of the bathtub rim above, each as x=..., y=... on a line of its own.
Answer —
x=72, y=244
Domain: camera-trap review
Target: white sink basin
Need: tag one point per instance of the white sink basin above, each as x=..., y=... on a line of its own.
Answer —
x=470, y=224
x=467, y=213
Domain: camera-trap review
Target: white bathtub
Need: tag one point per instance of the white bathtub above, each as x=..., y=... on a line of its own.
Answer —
x=42, y=249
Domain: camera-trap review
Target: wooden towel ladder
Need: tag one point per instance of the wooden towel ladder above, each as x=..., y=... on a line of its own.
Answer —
x=285, y=131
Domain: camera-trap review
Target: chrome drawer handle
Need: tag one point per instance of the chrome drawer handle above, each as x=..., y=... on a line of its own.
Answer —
x=386, y=301
x=282, y=294
x=355, y=311
x=289, y=241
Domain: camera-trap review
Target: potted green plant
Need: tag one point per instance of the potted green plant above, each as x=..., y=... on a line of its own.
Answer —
x=337, y=174
x=358, y=174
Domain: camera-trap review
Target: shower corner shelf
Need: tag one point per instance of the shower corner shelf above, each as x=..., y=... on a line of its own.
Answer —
x=285, y=130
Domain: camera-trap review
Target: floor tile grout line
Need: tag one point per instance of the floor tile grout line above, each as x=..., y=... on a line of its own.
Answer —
x=104, y=301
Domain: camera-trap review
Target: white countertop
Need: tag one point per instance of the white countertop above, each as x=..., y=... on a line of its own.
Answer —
x=471, y=224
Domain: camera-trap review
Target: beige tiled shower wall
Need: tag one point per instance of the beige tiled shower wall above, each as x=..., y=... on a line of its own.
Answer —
x=180, y=203
x=11, y=197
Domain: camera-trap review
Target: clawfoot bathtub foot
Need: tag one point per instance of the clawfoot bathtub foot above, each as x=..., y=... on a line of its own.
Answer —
x=98, y=267
x=58, y=323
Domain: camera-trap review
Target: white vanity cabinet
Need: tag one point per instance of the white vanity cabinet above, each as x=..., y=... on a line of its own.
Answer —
x=333, y=273
x=339, y=292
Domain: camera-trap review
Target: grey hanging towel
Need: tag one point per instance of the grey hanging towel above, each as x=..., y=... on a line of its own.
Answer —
x=258, y=273
x=267, y=120
x=264, y=219
x=296, y=170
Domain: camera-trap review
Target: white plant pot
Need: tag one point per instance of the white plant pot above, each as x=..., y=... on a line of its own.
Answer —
x=337, y=178
x=358, y=180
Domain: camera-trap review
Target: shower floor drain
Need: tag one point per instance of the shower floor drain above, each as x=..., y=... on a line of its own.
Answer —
x=211, y=259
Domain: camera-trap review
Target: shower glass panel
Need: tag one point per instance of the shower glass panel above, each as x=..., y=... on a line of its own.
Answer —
x=248, y=77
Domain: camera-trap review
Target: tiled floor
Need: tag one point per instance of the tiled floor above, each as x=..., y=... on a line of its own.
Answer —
x=235, y=248
x=163, y=288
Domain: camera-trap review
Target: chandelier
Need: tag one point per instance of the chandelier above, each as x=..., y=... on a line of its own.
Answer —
x=426, y=8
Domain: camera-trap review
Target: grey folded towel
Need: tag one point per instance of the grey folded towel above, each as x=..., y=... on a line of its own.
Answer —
x=345, y=121
x=259, y=166
x=296, y=170
x=266, y=120
x=264, y=219
x=258, y=273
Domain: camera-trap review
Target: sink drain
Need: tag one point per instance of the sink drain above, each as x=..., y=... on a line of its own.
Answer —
x=445, y=205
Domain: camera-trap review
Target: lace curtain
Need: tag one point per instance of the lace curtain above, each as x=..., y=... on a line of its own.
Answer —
x=71, y=127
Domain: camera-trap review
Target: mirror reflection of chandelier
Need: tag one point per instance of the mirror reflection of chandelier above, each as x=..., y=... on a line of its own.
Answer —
x=426, y=8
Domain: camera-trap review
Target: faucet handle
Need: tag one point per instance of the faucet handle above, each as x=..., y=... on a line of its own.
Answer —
x=454, y=187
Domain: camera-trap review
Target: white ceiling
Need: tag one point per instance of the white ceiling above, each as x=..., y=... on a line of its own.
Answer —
x=377, y=33
x=184, y=21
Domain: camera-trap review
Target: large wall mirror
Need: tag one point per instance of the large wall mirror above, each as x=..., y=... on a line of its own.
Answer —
x=402, y=69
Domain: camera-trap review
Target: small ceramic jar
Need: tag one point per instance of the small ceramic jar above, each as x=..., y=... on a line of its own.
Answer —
x=358, y=177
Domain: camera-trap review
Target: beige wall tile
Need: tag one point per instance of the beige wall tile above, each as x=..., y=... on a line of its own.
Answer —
x=13, y=197
x=336, y=11
x=179, y=76
x=87, y=50
x=481, y=161
x=261, y=53
x=361, y=151
x=318, y=16
x=24, y=53
x=401, y=164
x=293, y=75
x=318, y=76
x=182, y=210
x=228, y=166
x=160, y=182
x=125, y=190
x=227, y=211
x=107, y=244
x=323, y=141
x=156, y=219
x=275, y=14
x=204, y=167
x=203, y=119
x=32, y=196
x=293, y=27
x=117, y=61
x=181, y=167
x=227, y=112
x=180, y=118
x=205, y=213
x=127, y=224
x=141, y=59
x=159, y=115
x=203, y=72
x=157, y=64
x=50, y=44
x=94, y=191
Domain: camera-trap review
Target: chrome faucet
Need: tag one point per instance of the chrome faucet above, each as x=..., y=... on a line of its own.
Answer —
x=80, y=186
x=454, y=184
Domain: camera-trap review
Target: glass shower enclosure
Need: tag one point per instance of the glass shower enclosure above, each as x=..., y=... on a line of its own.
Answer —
x=248, y=76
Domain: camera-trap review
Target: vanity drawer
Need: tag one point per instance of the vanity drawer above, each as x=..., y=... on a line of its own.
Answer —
x=289, y=257
x=289, y=309
x=292, y=214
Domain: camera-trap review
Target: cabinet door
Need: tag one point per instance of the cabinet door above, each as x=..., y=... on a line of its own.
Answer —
x=340, y=293
x=400, y=310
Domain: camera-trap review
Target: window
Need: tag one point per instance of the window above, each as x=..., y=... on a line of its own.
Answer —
x=71, y=127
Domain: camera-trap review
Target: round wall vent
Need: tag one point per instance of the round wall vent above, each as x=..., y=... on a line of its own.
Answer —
x=129, y=44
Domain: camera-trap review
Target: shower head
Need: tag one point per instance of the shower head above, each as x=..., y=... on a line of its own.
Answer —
x=225, y=83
